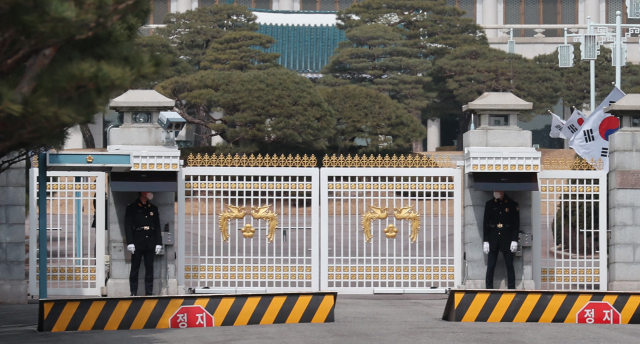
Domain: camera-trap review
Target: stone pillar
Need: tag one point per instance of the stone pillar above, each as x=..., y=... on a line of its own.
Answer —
x=164, y=271
x=624, y=202
x=490, y=16
x=592, y=8
x=285, y=5
x=433, y=134
x=13, y=284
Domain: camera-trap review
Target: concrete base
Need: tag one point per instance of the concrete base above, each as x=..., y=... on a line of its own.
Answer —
x=497, y=138
x=13, y=292
x=500, y=284
x=119, y=287
x=133, y=135
x=624, y=286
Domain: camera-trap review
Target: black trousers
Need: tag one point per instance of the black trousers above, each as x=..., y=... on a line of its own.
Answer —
x=136, y=259
x=491, y=266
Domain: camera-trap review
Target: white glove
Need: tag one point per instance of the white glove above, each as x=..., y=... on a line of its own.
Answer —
x=514, y=246
x=485, y=247
x=158, y=249
x=131, y=248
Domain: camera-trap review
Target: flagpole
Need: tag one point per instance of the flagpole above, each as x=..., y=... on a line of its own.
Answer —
x=592, y=72
x=618, y=48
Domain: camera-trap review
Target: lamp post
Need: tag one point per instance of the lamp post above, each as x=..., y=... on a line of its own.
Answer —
x=590, y=49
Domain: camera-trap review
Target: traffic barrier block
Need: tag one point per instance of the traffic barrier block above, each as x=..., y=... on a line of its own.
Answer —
x=160, y=312
x=543, y=306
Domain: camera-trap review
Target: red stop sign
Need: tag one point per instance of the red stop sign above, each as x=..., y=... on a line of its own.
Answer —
x=191, y=316
x=598, y=312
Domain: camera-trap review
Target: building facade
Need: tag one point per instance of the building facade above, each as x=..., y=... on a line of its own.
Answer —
x=306, y=38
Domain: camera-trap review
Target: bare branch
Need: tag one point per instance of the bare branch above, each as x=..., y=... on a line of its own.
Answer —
x=35, y=64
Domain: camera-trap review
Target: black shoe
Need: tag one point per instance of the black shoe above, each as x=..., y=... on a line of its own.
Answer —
x=133, y=294
x=148, y=294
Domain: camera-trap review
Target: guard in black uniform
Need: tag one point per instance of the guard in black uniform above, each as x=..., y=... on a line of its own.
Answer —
x=501, y=227
x=142, y=228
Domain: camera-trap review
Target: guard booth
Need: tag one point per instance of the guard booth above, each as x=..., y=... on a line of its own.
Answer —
x=498, y=156
x=88, y=191
x=563, y=212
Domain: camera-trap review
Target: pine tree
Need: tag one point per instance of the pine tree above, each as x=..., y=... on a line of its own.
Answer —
x=192, y=33
x=392, y=44
x=469, y=71
x=262, y=109
x=219, y=37
x=60, y=61
x=373, y=119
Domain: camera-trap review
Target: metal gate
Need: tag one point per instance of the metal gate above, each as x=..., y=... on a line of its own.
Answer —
x=570, y=252
x=75, y=233
x=250, y=224
x=390, y=225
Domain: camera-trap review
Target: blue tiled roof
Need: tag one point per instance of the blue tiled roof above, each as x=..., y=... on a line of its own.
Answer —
x=303, y=48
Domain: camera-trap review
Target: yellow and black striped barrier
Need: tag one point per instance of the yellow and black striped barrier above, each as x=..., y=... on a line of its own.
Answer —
x=151, y=312
x=535, y=306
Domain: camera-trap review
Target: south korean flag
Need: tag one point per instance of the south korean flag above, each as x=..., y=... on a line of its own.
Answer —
x=573, y=124
x=557, y=124
x=592, y=141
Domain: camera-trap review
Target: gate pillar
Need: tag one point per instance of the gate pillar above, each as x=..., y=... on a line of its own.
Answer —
x=498, y=157
x=624, y=196
x=147, y=136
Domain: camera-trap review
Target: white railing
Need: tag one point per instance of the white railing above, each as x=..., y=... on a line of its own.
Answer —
x=570, y=249
x=75, y=234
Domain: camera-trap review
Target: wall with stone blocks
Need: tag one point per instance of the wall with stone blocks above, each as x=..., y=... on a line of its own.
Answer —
x=624, y=202
x=13, y=285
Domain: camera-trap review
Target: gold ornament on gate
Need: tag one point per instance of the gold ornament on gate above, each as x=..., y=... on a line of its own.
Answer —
x=263, y=213
x=405, y=213
x=248, y=231
x=232, y=212
x=391, y=231
x=375, y=213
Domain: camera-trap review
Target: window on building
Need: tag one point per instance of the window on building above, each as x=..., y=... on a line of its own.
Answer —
x=257, y=4
x=159, y=9
x=247, y=3
x=325, y=5
x=205, y=3
x=466, y=5
x=540, y=12
x=619, y=5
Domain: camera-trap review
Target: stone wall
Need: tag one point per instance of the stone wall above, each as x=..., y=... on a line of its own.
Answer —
x=13, y=285
x=624, y=202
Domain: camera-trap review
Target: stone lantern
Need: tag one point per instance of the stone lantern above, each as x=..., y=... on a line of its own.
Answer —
x=141, y=109
x=498, y=113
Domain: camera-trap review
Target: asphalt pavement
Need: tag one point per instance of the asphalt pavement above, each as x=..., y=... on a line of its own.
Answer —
x=390, y=319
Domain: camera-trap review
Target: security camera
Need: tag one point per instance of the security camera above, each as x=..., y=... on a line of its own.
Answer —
x=171, y=122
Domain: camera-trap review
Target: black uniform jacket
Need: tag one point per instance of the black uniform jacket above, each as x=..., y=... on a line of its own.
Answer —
x=501, y=223
x=137, y=216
